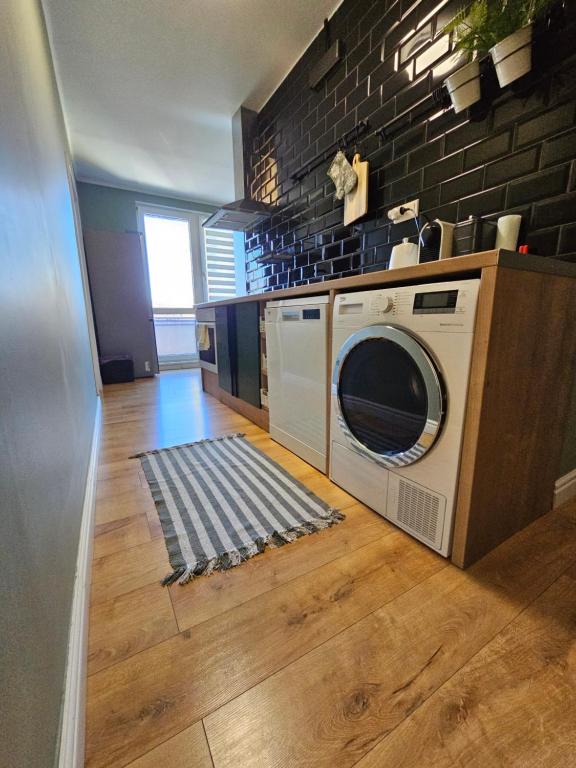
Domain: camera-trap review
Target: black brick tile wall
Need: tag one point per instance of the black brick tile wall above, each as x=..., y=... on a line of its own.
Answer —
x=516, y=152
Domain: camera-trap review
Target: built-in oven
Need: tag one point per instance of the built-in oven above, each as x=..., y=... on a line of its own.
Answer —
x=206, y=338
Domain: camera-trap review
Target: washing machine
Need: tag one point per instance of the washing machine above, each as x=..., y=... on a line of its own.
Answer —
x=401, y=363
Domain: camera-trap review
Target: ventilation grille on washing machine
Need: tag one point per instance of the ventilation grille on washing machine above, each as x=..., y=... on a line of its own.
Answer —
x=418, y=510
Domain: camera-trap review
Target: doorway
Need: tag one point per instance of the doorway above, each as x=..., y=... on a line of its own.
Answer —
x=172, y=243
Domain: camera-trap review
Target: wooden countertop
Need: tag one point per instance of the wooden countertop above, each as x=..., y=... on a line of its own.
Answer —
x=457, y=266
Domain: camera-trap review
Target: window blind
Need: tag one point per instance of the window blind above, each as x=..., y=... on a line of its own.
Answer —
x=220, y=268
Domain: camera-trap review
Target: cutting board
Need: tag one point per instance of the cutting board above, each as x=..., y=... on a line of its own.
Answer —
x=356, y=202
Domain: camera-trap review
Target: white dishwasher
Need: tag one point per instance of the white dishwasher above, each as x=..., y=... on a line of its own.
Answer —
x=297, y=352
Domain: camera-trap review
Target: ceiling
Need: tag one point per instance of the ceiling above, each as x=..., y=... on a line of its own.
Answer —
x=149, y=87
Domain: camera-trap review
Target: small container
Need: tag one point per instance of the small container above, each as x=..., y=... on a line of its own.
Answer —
x=464, y=86
x=512, y=56
x=404, y=255
x=467, y=236
x=507, y=231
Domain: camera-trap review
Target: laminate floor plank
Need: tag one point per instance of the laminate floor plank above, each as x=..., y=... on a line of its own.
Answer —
x=120, y=534
x=222, y=591
x=123, y=503
x=151, y=696
x=512, y=705
x=127, y=624
x=334, y=704
x=188, y=749
x=128, y=569
x=353, y=646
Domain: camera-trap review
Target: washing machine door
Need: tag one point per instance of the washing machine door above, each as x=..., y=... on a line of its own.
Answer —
x=389, y=395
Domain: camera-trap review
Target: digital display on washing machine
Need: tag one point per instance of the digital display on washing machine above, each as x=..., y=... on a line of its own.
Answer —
x=435, y=303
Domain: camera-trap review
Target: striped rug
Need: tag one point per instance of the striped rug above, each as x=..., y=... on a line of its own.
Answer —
x=223, y=501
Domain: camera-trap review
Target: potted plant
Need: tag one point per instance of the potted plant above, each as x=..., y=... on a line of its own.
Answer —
x=469, y=28
x=502, y=29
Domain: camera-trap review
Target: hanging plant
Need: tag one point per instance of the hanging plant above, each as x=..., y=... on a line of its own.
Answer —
x=502, y=29
x=468, y=28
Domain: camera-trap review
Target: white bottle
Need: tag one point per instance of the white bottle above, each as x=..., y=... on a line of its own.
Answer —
x=404, y=255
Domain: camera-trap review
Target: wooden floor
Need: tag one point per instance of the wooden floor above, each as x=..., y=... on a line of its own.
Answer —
x=356, y=646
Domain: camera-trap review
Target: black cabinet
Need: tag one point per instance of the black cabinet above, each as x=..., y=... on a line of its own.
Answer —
x=226, y=348
x=248, y=352
x=238, y=345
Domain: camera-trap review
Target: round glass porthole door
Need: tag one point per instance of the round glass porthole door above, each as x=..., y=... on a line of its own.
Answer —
x=389, y=395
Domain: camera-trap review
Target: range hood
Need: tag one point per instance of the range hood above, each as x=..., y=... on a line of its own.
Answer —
x=243, y=213
x=238, y=216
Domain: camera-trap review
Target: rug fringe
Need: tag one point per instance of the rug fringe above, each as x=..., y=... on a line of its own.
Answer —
x=233, y=558
x=187, y=445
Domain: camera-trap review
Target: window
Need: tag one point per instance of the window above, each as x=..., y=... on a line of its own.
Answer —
x=169, y=254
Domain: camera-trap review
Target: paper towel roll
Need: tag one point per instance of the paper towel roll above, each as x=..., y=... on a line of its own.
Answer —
x=507, y=229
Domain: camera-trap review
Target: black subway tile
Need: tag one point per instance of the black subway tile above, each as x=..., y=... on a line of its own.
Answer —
x=378, y=237
x=539, y=185
x=444, y=170
x=511, y=167
x=346, y=86
x=461, y=186
x=412, y=94
x=543, y=242
x=351, y=245
x=561, y=210
x=395, y=83
x=381, y=73
x=425, y=154
x=467, y=134
x=568, y=239
x=357, y=96
x=341, y=265
x=369, y=63
x=482, y=204
x=511, y=109
x=392, y=172
x=415, y=42
x=408, y=186
x=409, y=139
x=397, y=33
x=369, y=106
x=432, y=54
x=544, y=125
x=487, y=150
x=558, y=149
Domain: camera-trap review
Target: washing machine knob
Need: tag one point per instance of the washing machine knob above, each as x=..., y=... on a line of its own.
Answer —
x=388, y=304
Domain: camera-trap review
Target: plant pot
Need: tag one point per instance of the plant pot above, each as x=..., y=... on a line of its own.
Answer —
x=512, y=56
x=464, y=86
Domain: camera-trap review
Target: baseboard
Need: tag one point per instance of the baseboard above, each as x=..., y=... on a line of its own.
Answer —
x=71, y=750
x=565, y=488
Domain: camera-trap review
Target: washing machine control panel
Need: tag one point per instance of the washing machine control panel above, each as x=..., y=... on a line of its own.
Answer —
x=435, y=303
x=435, y=306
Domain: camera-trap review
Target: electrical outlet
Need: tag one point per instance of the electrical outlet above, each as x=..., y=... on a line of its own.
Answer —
x=412, y=208
x=147, y=365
